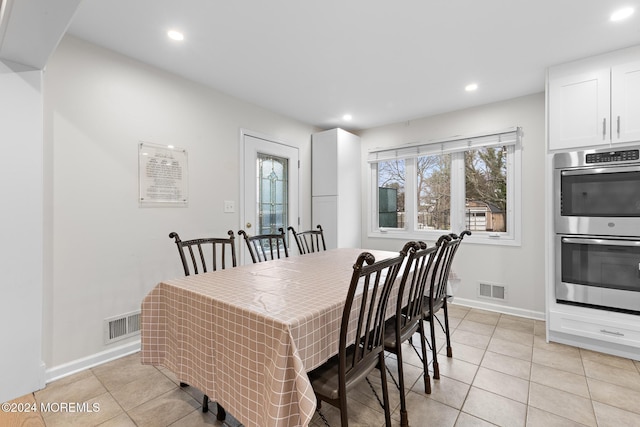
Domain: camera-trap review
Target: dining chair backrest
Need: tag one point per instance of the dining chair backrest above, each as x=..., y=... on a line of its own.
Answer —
x=266, y=247
x=437, y=299
x=310, y=240
x=206, y=254
x=440, y=275
x=369, y=290
x=411, y=290
x=449, y=244
x=362, y=328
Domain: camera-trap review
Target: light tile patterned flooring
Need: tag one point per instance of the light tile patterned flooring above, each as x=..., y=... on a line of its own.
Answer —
x=502, y=373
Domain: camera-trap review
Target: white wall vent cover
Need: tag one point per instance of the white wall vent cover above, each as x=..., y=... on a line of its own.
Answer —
x=492, y=291
x=120, y=327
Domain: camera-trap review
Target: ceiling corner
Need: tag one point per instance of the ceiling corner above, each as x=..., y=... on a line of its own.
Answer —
x=31, y=30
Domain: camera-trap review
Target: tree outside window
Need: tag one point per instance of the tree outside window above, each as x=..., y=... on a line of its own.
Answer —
x=486, y=189
x=434, y=192
x=391, y=183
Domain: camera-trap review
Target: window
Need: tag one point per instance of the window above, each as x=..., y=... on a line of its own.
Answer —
x=391, y=179
x=433, y=183
x=486, y=197
x=471, y=183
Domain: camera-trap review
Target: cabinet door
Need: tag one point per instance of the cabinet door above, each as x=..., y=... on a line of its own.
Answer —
x=324, y=157
x=325, y=212
x=625, y=102
x=579, y=109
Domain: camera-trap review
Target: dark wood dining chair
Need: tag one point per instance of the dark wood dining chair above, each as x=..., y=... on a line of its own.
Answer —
x=437, y=296
x=409, y=313
x=265, y=247
x=195, y=255
x=309, y=241
x=206, y=254
x=360, y=351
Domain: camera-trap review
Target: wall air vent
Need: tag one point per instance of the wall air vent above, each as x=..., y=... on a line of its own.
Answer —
x=492, y=291
x=121, y=327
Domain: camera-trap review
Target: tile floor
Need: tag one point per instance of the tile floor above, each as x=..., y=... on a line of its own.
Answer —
x=502, y=373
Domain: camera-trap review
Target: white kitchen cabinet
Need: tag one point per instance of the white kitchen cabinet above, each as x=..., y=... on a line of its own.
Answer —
x=579, y=109
x=603, y=331
x=335, y=187
x=625, y=102
x=595, y=102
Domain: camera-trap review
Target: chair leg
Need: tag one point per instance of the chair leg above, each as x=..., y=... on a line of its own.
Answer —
x=434, y=348
x=222, y=414
x=344, y=414
x=385, y=391
x=446, y=328
x=425, y=361
x=404, y=418
x=205, y=403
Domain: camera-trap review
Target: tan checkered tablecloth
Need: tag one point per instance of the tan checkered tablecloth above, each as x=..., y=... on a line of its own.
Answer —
x=247, y=336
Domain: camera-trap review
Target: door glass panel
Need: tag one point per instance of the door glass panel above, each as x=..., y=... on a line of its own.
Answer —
x=273, y=183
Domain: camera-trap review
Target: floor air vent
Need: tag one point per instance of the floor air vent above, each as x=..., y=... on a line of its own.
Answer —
x=120, y=327
x=489, y=290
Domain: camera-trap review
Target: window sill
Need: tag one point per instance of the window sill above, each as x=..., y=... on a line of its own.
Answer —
x=432, y=236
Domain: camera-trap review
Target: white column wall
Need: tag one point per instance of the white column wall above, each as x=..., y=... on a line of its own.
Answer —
x=21, y=216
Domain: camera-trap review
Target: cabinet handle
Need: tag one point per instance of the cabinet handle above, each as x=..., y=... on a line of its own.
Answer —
x=604, y=129
x=618, y=127
x=618, y=334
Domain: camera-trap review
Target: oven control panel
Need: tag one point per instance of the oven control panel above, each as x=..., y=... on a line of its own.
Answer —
x=613, y=156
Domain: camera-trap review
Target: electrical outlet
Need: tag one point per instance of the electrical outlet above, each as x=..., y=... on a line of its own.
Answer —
x=229, y=206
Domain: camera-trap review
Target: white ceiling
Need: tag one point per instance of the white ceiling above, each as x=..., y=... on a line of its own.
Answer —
x=381, y=61
x=31, y=30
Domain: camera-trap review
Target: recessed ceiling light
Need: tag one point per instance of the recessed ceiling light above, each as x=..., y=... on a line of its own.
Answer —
x=175, y=35
x=471, y=87
x=621, y=14
x=347, y=117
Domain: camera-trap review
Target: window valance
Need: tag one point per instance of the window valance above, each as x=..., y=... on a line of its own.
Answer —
x=508, y=137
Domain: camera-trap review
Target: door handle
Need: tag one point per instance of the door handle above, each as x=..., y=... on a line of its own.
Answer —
x=604, y=128
x=596, y=241
x=248, y=225
x=618, y=127
x=615, y=333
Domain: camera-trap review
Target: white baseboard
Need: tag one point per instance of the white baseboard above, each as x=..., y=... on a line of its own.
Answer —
x=530, y=314
x=61, y=371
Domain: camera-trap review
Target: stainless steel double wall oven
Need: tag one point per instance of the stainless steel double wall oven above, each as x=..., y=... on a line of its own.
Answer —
x=597, y=226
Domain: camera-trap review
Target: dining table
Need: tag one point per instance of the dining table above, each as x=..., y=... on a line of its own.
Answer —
x=247, y=336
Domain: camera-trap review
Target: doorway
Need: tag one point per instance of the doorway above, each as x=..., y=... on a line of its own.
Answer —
x=269, y=186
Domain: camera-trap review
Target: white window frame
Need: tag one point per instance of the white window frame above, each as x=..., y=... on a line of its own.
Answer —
x=455, y=147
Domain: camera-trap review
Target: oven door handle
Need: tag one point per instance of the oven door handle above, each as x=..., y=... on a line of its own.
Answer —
x=592, y=171
x=590, y=241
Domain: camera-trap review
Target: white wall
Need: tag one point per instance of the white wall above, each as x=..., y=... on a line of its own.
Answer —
x=21, y=217
x=521, y=268
x=105, y=252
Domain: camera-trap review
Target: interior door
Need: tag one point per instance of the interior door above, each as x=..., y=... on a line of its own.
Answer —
x=269, y=185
